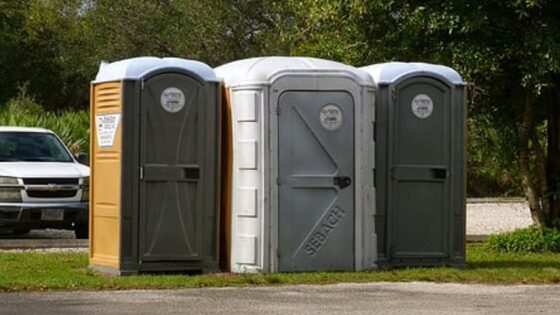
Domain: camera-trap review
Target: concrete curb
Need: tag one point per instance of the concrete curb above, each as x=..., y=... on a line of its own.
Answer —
x=476, y=238
x=42, y=243
x=497, y=200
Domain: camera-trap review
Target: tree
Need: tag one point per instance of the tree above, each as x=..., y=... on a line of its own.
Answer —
x=40, y=50
x=507, y=51
x=11, y=21
x=54, y=47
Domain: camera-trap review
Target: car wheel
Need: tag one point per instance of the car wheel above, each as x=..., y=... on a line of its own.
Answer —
x=21, y=231
x=81, y=231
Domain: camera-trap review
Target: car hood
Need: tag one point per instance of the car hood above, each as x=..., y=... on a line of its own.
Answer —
x=43, y=169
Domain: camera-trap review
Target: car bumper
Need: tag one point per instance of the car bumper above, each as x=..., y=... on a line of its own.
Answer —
x=43, y=215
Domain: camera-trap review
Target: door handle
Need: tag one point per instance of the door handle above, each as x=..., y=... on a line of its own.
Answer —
x=342, y=181
x=155, y=172
x=191, y=172
x=439, y=173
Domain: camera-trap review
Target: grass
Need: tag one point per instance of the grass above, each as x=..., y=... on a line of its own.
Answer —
x=68, y=271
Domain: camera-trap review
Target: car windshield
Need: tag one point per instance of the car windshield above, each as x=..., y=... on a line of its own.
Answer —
x=32, y=147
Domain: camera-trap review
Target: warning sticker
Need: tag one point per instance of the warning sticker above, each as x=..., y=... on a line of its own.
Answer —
x=422, y=106
x=106, y=126
x=330, y=117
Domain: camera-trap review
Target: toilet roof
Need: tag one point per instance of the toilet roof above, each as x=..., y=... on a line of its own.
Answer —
x=263, y=70
x=391, y=71
x=136, y=68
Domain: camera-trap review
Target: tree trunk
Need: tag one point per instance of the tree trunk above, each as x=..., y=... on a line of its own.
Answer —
x=553, y=155
x=530, y=180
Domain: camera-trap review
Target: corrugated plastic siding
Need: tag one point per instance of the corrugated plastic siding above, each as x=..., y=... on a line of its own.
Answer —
x=106, y=98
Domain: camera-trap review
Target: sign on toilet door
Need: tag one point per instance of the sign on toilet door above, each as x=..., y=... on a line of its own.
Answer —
x=106, y=127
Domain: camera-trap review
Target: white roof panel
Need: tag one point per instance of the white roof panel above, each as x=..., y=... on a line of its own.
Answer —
x=263, y=70
x=391, y=71
x=136, y=68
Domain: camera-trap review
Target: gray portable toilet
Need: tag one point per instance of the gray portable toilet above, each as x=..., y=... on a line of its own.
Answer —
x=302, y=165
x=420, y=164
x=155, y=130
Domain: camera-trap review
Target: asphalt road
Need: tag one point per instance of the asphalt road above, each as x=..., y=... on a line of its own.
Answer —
x=39, y=234
x=48, y=239
x=372, y=298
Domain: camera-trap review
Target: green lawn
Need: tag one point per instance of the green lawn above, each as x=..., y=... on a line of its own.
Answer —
x=68, y=271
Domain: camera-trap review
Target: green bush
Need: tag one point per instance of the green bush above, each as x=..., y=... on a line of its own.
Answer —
x=490, y=171
x=71, y=126
x=530, y=240
x=23, y=104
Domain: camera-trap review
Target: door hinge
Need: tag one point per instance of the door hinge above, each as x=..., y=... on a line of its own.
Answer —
x=141, y=172
x=142, y=84
x=278, y=181
x=278, y=253
x=393, y=95
x=278, y=111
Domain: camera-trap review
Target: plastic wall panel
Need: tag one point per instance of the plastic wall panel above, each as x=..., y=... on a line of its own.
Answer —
x=247, y=211
x=106, y=98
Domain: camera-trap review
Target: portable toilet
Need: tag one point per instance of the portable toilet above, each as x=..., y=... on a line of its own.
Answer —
x=302, y=165
x=420, y=164
x=154, y=166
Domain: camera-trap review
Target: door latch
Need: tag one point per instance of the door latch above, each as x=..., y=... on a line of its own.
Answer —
x=439, y=173
x=342, y=181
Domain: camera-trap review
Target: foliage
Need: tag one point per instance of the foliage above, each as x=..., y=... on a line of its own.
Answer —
x=42, y=52
x=527, y=240
x=23, y=104
x=71, y=126
x=491, y=170
x=57, y=45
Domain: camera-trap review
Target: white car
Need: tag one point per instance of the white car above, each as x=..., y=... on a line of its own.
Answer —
x=41, y=184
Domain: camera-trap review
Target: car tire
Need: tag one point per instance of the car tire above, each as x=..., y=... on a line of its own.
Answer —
x=21, y=231
x=81, y=231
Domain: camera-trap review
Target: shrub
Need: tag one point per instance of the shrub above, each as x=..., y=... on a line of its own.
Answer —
x=531, y=240
x=71, y=126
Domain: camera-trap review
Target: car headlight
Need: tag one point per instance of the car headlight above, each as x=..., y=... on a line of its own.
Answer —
x=85, y=188
x=5, y=180
x=10, y=190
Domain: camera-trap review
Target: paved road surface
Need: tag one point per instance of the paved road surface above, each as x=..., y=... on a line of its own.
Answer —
x=484, y=218
x=40, y=234
x=373, y=298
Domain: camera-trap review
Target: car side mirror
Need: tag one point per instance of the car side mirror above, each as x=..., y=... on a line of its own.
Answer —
x=82, y=158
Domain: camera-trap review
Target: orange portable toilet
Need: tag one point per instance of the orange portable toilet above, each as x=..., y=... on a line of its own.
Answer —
x=155, y=146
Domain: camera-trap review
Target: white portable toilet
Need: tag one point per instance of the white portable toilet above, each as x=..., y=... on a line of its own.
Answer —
x=302, y=195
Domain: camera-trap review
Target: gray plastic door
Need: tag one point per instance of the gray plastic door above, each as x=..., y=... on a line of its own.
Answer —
x=171, y=218
x=419, y=185
x=316, y=181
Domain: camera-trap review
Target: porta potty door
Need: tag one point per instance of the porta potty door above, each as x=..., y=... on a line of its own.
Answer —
x=316, y=181
x=171, y=214
x=419, y=142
